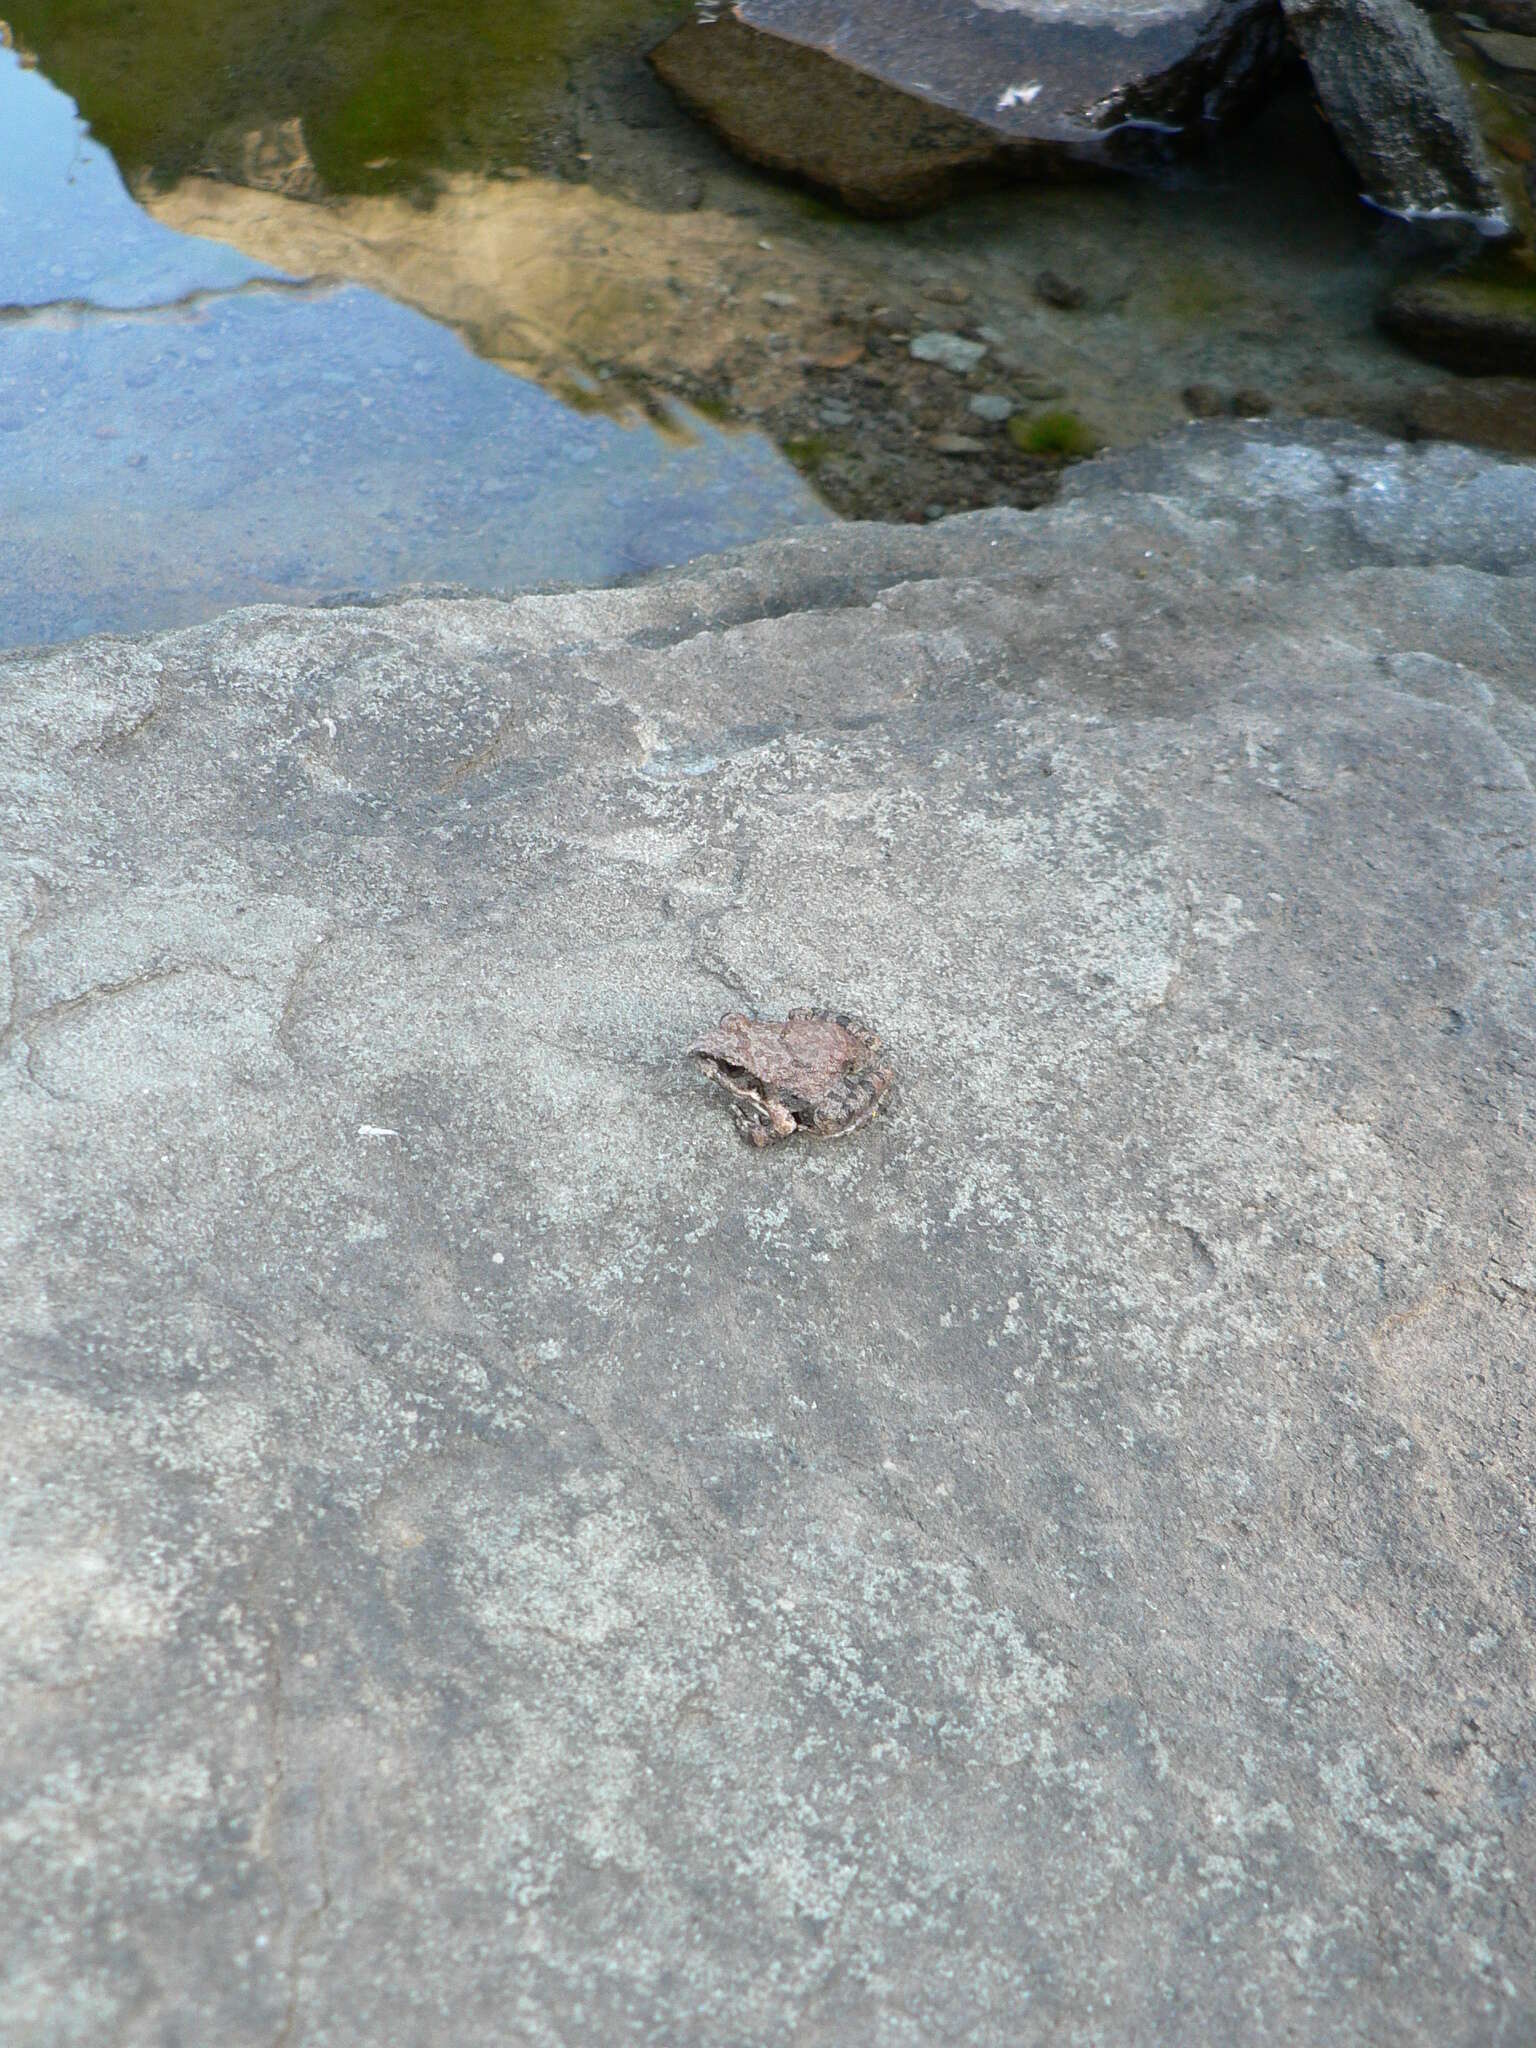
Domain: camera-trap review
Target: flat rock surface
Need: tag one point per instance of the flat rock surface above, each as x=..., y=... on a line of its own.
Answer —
x=490, y=1557
x=892, y=103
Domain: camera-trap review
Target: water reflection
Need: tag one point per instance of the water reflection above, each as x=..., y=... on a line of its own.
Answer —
x=183, y=428
x=68, y=230
x=388, y=92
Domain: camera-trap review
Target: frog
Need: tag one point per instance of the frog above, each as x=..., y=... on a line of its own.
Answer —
x=820, y=1072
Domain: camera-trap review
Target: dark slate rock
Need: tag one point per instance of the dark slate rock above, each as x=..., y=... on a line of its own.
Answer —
x=894, y=104
x=1399, y=109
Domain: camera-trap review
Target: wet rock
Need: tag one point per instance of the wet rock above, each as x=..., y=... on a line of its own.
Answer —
x=1249, y=403
x=895, y=104
x=1203, y=401
x=1399, y=109
x=1507, y=52
x=1516, y=15
x=1052, y=289
x=479, y=1542
x=949, y=351
x=1481, y=321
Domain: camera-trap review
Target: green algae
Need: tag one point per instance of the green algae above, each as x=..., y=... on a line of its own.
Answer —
x=718, y=411
x=1057, y=432
x=808, y=452
x=389, y=91
x=1503, y=281
x=1198, y=296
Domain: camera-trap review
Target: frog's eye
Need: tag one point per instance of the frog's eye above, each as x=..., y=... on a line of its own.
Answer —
x=738, y=1077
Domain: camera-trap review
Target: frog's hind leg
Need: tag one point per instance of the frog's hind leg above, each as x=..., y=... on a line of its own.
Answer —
x=839, y=1127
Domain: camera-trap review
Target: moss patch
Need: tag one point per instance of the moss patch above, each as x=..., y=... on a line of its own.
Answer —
x=1196, y=296
x=1052, y=433
x=808, y=451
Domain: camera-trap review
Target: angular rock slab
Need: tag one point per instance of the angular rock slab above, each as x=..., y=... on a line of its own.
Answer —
x=895, y=104
x=489, y=1556
x=1399, y=109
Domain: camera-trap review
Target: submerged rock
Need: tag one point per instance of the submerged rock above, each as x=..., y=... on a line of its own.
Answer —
x=1508, y=52
x=1399, y=109
x=1481, y=321
x=894, y=104
x=949, y=351
x=1516, y=15
x=482, y=1547
x=1052, y=289
x=1486, y=412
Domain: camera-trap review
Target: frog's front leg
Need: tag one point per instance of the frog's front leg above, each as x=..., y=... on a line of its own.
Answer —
x=763, y=1120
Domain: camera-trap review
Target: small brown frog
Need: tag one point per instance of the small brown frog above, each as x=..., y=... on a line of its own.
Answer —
x=816, y=1071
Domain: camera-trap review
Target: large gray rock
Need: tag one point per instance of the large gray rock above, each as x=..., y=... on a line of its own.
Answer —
x=893, y=104
x=490, y=1557
x=1399, y=109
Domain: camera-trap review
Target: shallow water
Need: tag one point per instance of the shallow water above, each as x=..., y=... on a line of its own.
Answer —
x=514, y=173
x=183, y=428
x=389, y=92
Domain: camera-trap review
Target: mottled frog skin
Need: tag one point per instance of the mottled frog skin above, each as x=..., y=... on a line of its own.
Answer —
x=816, y=1071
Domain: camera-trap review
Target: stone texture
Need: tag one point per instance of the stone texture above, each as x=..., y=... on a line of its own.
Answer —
x=895, y=104
x=1399, y=109
x=489, y=1557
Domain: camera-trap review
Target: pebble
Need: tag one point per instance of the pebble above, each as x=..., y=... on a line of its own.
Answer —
x=991, y=405
x=949, y=351
x=833, y=414
x=781, y=299
x=1056, y=290
x=958, y=444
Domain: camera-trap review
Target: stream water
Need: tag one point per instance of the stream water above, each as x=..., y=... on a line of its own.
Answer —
x=183, y=428
x=303, y=301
